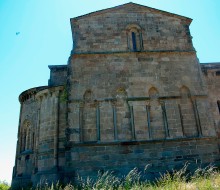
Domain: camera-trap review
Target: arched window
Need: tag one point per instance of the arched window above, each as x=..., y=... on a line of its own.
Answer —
x=134, y=38
x=217, y=73
x=153, y=93
x=121, y=93
x=26, y=138
x=88, y=96
x=184, y=92
x=218, y=103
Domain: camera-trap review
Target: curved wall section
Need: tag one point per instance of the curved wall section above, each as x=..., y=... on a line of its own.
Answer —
x=42, y=117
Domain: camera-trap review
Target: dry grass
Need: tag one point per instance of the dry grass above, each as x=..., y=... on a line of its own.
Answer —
x=202, y=179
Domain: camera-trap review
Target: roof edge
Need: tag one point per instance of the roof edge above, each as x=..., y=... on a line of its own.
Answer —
x=57, y=66
x=31, y=91
x=131, y=3
x=211, y=63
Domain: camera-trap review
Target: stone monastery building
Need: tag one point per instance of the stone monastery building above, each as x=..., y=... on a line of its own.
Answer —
x=132, y=94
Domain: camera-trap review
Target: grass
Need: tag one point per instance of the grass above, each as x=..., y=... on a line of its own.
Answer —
x=202, y=179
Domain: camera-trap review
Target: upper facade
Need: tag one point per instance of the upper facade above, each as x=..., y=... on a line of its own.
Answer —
x=130, y=27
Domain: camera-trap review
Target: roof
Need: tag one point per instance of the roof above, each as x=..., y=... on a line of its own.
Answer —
x=57, y=67
x=127, y=5
x=31, y=91
x=206, y=66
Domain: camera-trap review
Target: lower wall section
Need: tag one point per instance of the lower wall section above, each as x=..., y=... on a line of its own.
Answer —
x=21, y=182
x=85, y=160
x=159, y=156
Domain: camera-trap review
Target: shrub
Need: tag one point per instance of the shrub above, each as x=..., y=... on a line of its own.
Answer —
x=4, y=185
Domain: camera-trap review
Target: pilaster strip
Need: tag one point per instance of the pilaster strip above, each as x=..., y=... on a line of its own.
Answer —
x=132, y=123
x=37, y=136
x=148, y=121
x=196, y=114
x=98, y=122
x=81, y=122
x=165, y=121
x=115, y=123
x=181, y=120
x=56, y=134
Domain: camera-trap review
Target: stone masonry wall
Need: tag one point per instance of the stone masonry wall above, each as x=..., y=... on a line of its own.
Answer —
x=58, y=75
x=112, y=79
x=212, y=79
x=136, y=95
x=132, y=95
x=108, y=31
x=52, y=125
x=26, y=138
x=136, y=72
x=158, y=156
x=41, y=136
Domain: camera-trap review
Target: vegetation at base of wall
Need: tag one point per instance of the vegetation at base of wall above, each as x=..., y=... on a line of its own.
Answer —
x=64, y=95
x=202, y=179
x=4, y=185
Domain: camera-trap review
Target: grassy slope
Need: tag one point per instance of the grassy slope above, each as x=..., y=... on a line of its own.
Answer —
x=202, y=179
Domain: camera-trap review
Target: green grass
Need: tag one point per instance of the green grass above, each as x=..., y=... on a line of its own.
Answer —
x=4, y=185
x=202, y=179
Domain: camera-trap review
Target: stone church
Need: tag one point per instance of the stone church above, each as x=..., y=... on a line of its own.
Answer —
x=132, y=94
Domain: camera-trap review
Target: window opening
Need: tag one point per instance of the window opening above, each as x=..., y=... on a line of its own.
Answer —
x=218, y=103
x=33, y=141
x=134, y=38
x=27, y=157
x=24, y=144
x=134, y=41
x=217, y=73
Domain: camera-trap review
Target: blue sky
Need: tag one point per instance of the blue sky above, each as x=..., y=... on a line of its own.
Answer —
x=45, y=39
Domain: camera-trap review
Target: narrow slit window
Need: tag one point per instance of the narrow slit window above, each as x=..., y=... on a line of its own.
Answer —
x=217, y=73
x=134, y=38
x=134, y=43
x=32, y=146
x=218, y=103
x=24, y=145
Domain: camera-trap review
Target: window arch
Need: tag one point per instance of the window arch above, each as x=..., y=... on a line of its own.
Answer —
x=184, y=92
x=88, y=96
x=134, y=38
x=153, y=93
x=26, y=137
x=121, y=93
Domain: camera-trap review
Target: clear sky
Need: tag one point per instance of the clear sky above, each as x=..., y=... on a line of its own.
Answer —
x=44, y=38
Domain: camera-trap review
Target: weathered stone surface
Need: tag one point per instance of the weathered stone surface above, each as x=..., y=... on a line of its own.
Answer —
x=133, y=94
x=212, y=80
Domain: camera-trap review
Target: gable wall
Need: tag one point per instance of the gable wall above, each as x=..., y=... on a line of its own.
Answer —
x=107, y=32
x=120, y=107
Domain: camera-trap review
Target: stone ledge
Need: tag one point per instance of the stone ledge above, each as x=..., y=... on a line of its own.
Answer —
x=51, y=152
x=131, y=52
x=140, y=98
x=26, y=152
x=125, y=143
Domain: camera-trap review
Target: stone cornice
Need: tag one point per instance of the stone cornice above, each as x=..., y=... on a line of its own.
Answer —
x=27, y=94
x=49, y=90
x=128, y=52
x=126, y=143
x=143, y=98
